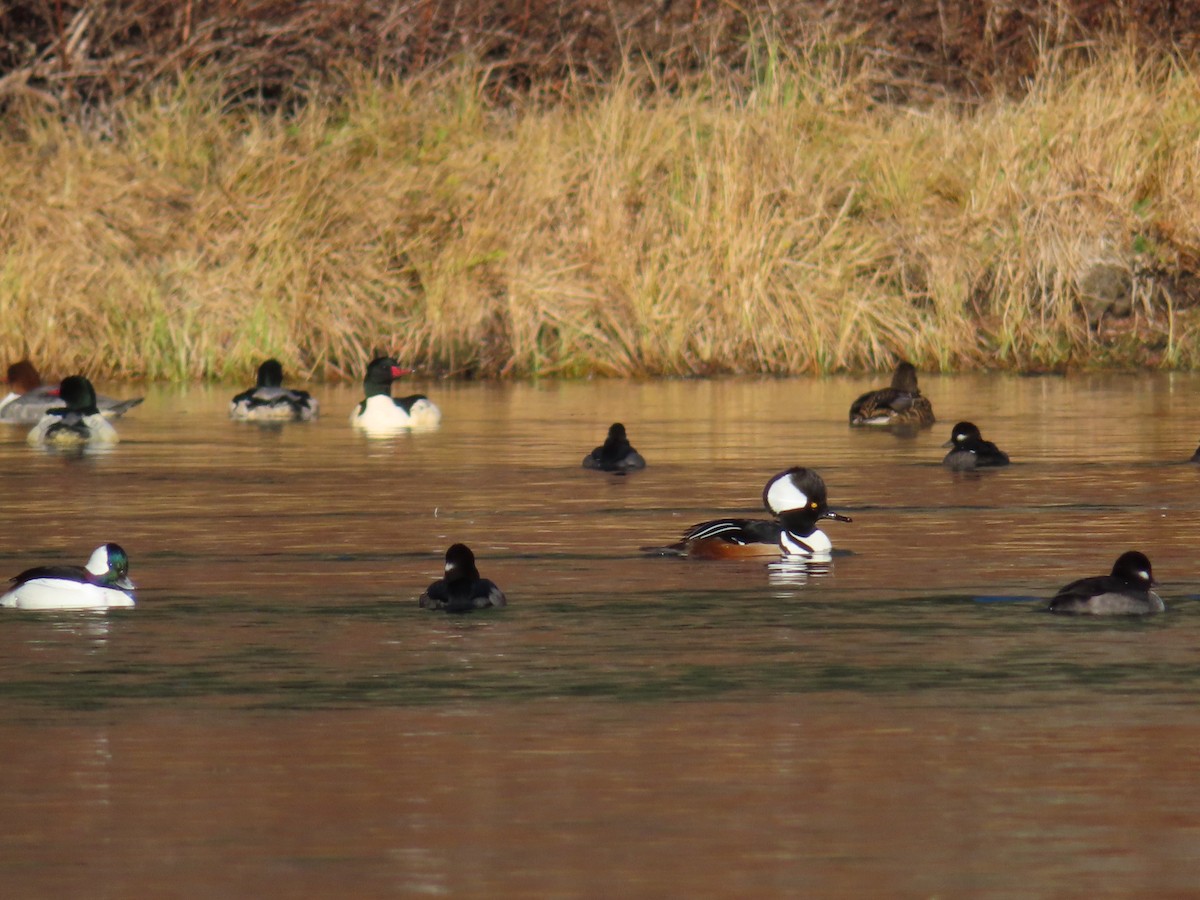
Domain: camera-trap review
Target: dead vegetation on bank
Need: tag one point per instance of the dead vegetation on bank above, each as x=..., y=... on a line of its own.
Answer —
x=769, y=216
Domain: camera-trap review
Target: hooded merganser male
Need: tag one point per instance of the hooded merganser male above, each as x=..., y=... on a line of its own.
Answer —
x=461, y=589
x=1124, y=592
x=77, y=422
x=796, y=497
x=28, y=399
x=900, y=404
x=102, y=584
x=270, y=401
x=617, y=454
x=382, y=412
x=970, y=451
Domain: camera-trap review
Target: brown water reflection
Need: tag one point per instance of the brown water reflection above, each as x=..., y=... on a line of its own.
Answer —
x=278, y=717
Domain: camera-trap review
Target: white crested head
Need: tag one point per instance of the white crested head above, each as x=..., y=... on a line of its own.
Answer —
x=795, y=489
x=97, y=563
x=783, y=494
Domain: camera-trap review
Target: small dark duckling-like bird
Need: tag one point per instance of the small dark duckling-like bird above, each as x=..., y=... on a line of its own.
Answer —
x=969, y=451
x=797, y=499
x=270, y=401
x=461, y=589
x=616, y=455
x=900, y=404
x=1125, y=592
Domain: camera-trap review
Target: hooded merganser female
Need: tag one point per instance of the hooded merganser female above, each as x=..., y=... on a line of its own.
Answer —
x=102, y=584
x=382, y=412
x=796, y=497
x=28, y=399
x=617, y=454
x=970, y=451
x=77, y=422
x=270, y=401
x=1124, y=592
x=461, y=589
x=900, y=404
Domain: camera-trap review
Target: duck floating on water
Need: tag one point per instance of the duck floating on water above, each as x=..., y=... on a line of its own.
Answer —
x=102, y=584
x=616, y=454
x=77, y=422
x=969, y=451
x=380, y=412
x=461, y=589
x=270, y=401
x=899, y=405
x=1125, y=591
x=797, y=499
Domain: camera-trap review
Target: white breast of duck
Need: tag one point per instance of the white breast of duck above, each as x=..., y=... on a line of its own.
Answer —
x=383, y=413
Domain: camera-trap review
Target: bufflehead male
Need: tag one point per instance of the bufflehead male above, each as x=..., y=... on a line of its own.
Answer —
x=270, y=401
x=28, y=399
x=900, y=404
x=796, y=497
x=380, y=412
x=461, y=589
x=76, y=423
x=616, y=455
x=1124, y=592
x=970, y=451
x=102, y=584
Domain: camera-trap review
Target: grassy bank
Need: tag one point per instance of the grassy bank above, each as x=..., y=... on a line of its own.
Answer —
x=799, y=226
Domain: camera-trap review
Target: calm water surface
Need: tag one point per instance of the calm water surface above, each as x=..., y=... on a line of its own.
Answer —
x=278, y=718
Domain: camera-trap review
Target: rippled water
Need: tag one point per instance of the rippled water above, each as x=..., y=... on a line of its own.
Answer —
x=277, y=717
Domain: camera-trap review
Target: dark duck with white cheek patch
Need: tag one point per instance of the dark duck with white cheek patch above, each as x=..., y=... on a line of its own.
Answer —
x=28, y=399
x=616, y=455
x=969, y=451
x=102, y=584
x=270, y=401
x=899, y=405
x=797, y=499
x=381, y=412
x=461, y=589
x=77, y=422
x=1124, y=592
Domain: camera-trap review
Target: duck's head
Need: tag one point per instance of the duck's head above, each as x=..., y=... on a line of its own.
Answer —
x=110, y=565
x=616, y=432
x=799, y=490
x=1133, y=568
x=23, y=377
x=381, y=372
x=460, y=563
x=962, y=434
x=78, y=395
x=270, y=374
x=905, y=378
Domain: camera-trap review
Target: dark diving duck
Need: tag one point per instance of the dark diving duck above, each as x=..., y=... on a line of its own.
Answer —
x=461, y=589
x=899, y=405
x=969, y=451
x=796, y=497
x=616, y=454
x=270, y=401
x=1123, y=592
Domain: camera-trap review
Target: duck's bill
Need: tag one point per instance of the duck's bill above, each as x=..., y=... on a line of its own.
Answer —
x=830, y=514
x=948, y=444
x=124, y=583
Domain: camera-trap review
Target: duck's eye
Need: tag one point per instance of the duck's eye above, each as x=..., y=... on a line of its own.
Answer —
x=814, y=504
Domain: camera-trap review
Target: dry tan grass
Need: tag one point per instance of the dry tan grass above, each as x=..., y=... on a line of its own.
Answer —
x=797, y=227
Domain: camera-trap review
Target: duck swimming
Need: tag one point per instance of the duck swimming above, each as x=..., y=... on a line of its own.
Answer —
x=461, y=589
x=102, y=584
x=970, y=451
x=1125, y=591
x=616, y=454
x=270, y=401
x=901, y=404
x=380, y=412
x=28, y=399
x=77, y=422
x=797, y=499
